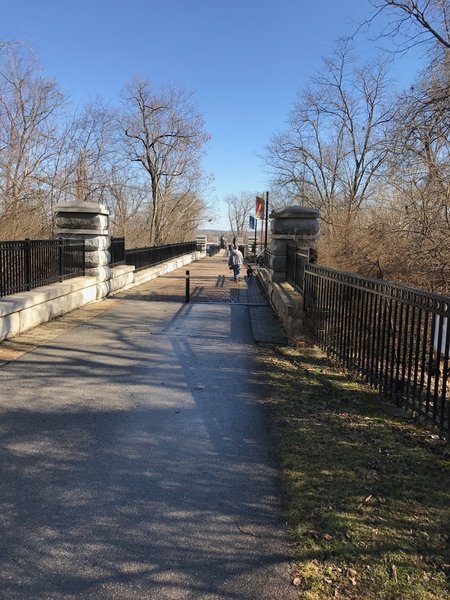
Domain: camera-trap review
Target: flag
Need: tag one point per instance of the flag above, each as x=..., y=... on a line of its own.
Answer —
x=251, y=222
x=259, y=207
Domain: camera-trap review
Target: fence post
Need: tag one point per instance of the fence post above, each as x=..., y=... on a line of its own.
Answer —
x=84, y=258
x=295, y=266
x=187, y=292
x=28, y=274
x=61, y=259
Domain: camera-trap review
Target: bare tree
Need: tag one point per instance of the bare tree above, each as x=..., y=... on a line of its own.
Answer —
x=417, y=186
x=165, y=137
x=420, y=176
x=417, y=21
x=126, y=201
x=47, y=156
x=182, y=216
x=240, y=207
x=334, y=148
x=86, y=154
x=29, y=110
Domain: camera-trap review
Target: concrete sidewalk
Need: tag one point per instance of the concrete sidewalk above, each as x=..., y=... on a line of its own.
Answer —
x=211, y=282
x=136, y=460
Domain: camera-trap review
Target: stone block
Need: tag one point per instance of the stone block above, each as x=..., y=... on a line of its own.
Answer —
x=278, y=246
x=278, y=276
x=98, y=258
x=295, y=220
x=81, y=221
x=97, y=242
x=9, y=326
x=122, y=278
x=278, y=263
x=81, y=207
x=102, y=290
x=101, y=273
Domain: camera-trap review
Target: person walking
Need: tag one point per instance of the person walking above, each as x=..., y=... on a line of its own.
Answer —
x=235, y=262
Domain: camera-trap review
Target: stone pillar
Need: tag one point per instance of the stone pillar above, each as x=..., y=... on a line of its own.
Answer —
x=90, y=221
x=293, y=224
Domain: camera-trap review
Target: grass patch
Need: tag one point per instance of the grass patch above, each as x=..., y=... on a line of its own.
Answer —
x=368, y=492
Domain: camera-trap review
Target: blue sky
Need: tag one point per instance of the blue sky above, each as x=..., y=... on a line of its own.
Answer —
x=245, y=60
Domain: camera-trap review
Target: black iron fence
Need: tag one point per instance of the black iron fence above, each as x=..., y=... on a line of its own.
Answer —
x=296, y=259
x=142, y=258
x=117, y=250
x=396, y=337
x=212, y=249
x=264, y=258
x=28, y=264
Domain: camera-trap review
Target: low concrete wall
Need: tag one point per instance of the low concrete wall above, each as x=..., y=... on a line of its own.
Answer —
x=287, y=303
x=21, y=312
x=167, y=267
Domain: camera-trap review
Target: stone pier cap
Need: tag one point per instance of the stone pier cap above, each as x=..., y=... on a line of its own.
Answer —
x=292, y=220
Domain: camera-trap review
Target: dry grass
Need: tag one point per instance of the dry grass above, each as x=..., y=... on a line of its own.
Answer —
x=368, y=491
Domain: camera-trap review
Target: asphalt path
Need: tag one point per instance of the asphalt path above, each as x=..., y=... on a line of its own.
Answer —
x=136, y=461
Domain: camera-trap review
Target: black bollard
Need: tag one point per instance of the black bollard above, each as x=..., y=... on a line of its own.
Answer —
x=186, y=296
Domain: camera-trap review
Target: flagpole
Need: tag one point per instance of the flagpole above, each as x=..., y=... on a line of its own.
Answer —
x=267, y=221
x=261, y=236
x=260, y=215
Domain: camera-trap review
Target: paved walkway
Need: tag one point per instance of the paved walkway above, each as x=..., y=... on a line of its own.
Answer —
x=135, y=460
x=212, y=282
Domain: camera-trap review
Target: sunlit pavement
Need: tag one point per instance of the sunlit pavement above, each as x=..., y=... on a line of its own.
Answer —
x=136, y=461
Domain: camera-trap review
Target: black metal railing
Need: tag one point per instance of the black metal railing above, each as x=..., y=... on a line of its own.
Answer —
x=28, y=264
x=117, y=250
x=395, y=336
x=212, y=249
x=143, y=258
x=296, y=259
